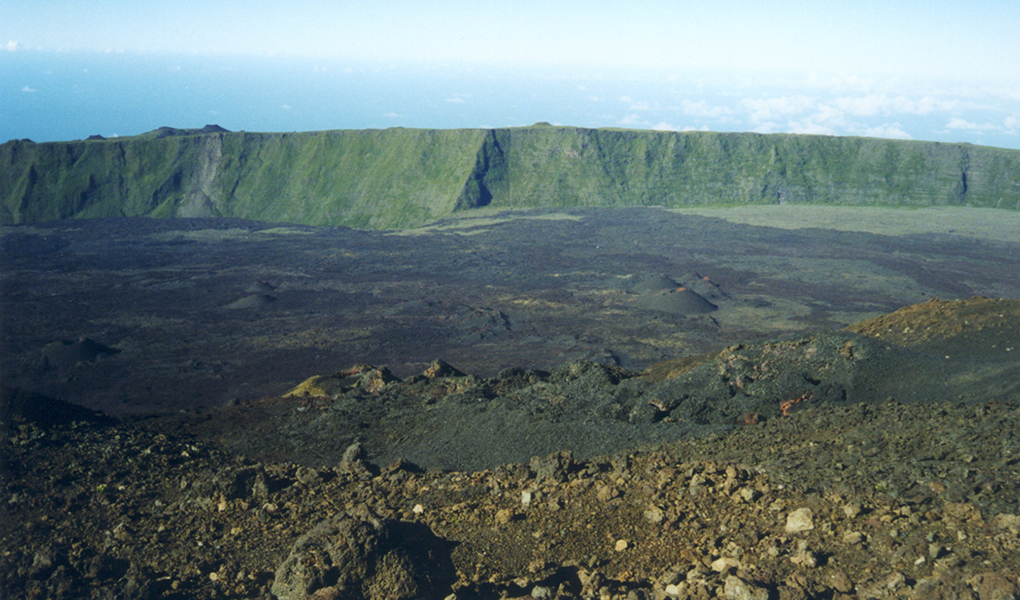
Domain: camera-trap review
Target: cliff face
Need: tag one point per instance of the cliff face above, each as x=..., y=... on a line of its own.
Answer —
x=390, y=178
x=405, y=177
x=608, y=167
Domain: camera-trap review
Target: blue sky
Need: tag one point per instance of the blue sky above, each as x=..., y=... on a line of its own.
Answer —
x=947, y=71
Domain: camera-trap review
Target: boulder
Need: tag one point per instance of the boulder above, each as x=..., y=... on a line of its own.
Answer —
x=359, y=556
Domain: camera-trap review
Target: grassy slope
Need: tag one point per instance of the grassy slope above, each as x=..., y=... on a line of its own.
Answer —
x=566, y=167
x=392, y=178
x=405, y=177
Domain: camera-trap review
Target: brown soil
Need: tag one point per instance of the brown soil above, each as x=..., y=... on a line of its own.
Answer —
x=822, y=499
x=729, y=440
x=936, y=320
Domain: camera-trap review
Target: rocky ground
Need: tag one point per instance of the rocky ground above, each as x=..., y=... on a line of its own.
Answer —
x=445, y=419
x=828, y=494
x=159, y=315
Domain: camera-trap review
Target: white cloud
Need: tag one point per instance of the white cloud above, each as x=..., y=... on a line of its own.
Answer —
x=829, y=114
x=689, y=128
x=633, y=120
x=456, y=100
x=703, y=109
x=888, y=130
x=286, y=107
x=28, y=89
x=863, y=106
x=880, y=104
x=958, y=123
x=928, y=105
x=663, y=127
x=842, y=82
x=766, y=109
x=391, y=115
x=765, y=127
x=1012, y=123
x=638, y=104
x=809, y=126
x=844, y=115
x=11, y=46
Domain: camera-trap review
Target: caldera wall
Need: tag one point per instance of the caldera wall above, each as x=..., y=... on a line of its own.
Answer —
x=405, y=177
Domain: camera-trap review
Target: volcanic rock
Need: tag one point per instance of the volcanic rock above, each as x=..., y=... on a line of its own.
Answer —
x=680, y=301
x=654, y=283
x=65, y=354
x=252, y=301
x=361, y=556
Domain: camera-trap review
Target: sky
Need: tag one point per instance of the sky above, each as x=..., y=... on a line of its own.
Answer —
x=929, y=70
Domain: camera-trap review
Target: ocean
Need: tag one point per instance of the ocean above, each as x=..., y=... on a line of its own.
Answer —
x=47, y=96
x=51, y=97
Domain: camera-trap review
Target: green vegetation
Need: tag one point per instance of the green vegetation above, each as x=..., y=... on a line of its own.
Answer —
x=400, y=178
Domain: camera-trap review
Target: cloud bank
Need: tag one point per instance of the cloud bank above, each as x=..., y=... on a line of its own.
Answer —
x=844, y=106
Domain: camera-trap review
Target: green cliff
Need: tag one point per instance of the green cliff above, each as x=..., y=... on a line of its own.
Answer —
x=405, y=177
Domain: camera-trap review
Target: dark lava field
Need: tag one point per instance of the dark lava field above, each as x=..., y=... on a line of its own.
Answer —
x=143, y=316
x=591, y=403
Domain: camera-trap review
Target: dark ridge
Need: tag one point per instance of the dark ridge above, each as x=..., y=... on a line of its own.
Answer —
x=213, y=129
x=489, y=166
x=17, y=405
x=164, y=132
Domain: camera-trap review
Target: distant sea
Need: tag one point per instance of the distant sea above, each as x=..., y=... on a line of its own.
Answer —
x=47, y=96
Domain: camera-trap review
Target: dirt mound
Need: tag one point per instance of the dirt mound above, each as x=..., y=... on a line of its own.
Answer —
x=446, y=419
x=703, y=285
x=664, y=294
x=680, y=301
x=654, y=283
x=261, y=287
x=64, y=354
x=971, y=347
x=18, y=407
x=362, y=377
x=938, y=320
x=252, y=301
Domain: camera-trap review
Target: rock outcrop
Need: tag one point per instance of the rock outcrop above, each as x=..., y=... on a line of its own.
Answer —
x=360, y=556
